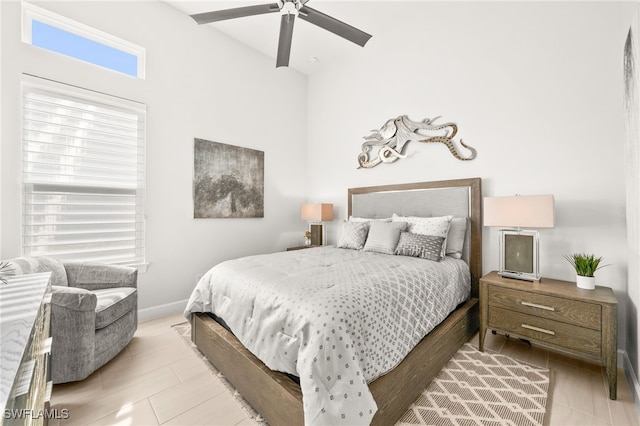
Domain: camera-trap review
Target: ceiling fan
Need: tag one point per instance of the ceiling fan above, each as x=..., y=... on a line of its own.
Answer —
x=288, y=9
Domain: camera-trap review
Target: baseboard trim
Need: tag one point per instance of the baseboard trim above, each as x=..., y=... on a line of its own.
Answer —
x=162, y=310
x=632, y=379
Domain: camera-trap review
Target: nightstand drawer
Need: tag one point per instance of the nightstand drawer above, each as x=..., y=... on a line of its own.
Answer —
x=579, y=339
x=582, y=314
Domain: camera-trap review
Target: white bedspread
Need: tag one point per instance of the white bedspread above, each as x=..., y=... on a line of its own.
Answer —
x=336, y=318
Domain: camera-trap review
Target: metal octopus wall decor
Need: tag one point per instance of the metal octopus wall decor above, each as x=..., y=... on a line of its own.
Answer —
x=396, y=132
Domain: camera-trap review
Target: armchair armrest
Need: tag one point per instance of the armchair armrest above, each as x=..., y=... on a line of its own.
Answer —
x=73, y=299
x=73, y=319
x=96, y=276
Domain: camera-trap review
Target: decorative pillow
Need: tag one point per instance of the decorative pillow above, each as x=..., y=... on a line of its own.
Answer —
x=419, y=245
x=354, y=235
x=383, y=236
x=437, y=226
x=34, y=265
x=367, y=219
x=455, y=237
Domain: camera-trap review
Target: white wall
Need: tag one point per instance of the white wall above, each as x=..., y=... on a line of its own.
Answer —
x=199, y=84
x=632, y=163
x=535, y=87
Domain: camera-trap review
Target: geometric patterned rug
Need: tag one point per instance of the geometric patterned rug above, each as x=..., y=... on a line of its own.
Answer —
x=478, y=388
x=474, y=388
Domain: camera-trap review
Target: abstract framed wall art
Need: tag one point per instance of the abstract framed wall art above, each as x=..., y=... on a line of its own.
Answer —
x=228, y=181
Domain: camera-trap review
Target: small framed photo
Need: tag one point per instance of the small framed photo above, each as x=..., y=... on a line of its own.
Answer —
x=519, y=254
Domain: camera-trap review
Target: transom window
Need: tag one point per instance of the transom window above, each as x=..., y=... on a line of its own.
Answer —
x=59, y=34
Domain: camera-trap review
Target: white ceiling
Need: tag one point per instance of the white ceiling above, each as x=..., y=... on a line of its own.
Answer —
x=309, y=41
x=385, y=20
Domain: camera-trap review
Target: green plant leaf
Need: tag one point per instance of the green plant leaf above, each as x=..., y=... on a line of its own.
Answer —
x=584, y=264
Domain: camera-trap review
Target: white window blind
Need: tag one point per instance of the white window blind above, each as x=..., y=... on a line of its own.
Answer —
x=83, y=174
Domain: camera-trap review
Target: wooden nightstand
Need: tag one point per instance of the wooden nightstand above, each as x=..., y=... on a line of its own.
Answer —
x=299, y=248
x=555, y=314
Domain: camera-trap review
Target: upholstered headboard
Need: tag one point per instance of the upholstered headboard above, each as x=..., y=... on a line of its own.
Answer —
x=460, y=198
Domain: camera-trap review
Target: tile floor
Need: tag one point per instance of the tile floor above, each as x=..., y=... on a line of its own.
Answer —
x=579, y=393
x=158, y=380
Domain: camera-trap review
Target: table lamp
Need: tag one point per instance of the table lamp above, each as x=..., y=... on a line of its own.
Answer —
x=519, y=248
x=316, y=214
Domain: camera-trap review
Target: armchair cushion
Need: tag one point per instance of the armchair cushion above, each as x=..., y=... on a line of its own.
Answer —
x=113, y=303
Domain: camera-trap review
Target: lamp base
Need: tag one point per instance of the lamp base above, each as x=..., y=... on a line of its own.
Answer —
x=317, y=234
x=519, y=276
x=519, y=254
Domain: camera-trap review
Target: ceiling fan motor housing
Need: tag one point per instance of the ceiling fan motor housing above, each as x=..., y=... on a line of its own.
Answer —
x=289, y=8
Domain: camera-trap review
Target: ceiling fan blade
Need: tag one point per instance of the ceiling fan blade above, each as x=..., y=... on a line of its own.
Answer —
x=284, y=42
x=238, y=12
x=333, y=25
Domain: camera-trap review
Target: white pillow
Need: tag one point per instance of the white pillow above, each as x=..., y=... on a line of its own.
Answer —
x=437, y=226
x=354, y=235
x=455, y=237
x=383, y=236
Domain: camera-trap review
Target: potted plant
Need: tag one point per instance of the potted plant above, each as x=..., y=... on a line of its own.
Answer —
x=5, y=271
x=307, y=238
x=585, y=266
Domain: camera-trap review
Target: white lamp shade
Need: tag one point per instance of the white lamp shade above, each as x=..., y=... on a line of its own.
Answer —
x=316, y=212
x=526, y=211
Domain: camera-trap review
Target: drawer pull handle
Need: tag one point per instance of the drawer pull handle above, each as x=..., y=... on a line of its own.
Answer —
x=541, y=330
x=535, y=305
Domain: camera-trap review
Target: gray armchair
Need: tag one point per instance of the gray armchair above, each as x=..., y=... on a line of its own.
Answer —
x=94, y=313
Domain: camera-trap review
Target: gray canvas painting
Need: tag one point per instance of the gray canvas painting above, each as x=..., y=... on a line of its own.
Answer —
x=228, y=181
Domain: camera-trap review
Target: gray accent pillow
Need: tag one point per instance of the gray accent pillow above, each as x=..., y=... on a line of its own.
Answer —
x=354, y=235
x=34, y=265
x=455, y=237
x=438, y=226
x=419, y=245
x=383, y=236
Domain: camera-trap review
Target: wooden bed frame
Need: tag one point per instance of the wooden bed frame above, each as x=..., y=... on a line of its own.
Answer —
x=279, y=399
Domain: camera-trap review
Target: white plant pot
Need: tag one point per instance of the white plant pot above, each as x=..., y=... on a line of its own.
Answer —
x=588, y=283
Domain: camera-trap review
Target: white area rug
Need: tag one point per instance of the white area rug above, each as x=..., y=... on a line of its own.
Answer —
x=474, y=388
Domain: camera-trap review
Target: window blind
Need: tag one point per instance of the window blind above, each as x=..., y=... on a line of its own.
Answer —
x=83, y=175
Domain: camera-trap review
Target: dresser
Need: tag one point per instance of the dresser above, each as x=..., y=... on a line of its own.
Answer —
x=25, y=387
x=555, y=314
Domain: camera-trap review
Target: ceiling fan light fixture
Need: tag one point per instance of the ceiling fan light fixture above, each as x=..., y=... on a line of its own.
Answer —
x=289, y=8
